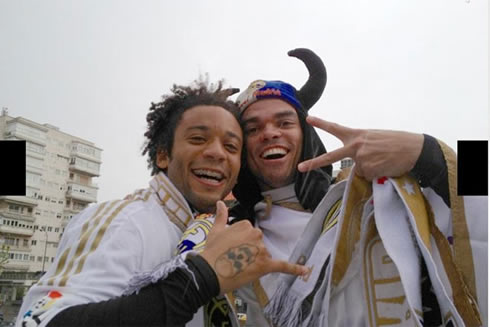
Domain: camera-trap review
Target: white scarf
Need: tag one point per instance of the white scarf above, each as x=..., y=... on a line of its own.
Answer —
x=367, y=270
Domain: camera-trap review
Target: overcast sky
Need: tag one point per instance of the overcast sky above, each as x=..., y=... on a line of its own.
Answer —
x=93, y=67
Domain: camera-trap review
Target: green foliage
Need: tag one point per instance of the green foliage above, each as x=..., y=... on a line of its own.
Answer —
x=4, y=256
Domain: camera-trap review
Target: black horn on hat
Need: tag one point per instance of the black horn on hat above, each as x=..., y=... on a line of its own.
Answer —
x=311, y=92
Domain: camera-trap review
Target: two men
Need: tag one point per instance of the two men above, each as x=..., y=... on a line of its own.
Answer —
x=379, y=252
x=127, y=247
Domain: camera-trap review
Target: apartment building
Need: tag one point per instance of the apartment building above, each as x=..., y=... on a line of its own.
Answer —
x=59, y=171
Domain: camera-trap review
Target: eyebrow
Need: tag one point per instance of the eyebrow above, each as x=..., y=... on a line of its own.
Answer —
x=281, y=114
x=205, y=128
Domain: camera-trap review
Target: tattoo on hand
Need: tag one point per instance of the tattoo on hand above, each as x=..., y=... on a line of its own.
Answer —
x=236, y=260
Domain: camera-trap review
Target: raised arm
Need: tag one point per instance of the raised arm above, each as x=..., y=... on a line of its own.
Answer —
x=388, y=153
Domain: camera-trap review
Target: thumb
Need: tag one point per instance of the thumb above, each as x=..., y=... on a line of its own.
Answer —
x=221, y=215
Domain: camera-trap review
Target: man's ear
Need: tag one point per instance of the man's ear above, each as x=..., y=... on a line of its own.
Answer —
x=162, y=159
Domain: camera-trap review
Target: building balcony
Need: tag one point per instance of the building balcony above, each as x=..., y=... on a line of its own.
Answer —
x=34, y=169
x=20, y=128
x=23, y=200
x=18, y=216
x=80, y=192
x=20, y=248
x=86, y=151
x=15, y=230
x=16, y=265
x=18, y=276
x=76, y=166
x=35, y=154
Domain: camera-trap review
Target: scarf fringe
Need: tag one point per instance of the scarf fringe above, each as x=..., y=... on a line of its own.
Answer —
x=161, y=271
x=284, y=309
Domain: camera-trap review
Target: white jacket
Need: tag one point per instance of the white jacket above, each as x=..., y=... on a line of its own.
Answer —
x=107, y=244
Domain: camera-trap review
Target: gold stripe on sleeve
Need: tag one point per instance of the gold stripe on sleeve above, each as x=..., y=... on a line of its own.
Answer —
x=84, y=239
x=97, y=239
x=64, y=257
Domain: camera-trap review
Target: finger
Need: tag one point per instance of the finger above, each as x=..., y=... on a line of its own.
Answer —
x=326, y=159
x=221, y=215
x=358, y=170
x=337, y=130
x=288, y=268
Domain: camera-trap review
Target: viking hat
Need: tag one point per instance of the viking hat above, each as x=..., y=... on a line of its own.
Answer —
x=310, y=187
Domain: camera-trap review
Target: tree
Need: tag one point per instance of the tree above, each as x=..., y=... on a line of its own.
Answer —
x=4, y=256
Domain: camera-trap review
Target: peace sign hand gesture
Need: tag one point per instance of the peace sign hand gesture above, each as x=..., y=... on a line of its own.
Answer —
x=376, y=152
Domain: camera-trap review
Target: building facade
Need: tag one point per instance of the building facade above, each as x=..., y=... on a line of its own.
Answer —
x=59, y=173
x=344, y=164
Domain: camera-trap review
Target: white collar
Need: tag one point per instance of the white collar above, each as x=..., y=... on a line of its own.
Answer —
x=282, y=194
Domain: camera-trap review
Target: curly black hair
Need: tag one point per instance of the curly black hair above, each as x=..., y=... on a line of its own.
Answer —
x=165, y=115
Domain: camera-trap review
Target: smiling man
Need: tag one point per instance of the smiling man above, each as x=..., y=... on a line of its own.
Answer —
x=273, y=163
x=365, y=269
x=201, y=164
x=116, y=263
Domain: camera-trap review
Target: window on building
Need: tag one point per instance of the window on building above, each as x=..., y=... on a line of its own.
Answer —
x=39, y=259
x=26, y=257
x=56, y=230
x=14, y=208
x=50, y=229
x=9, y=241
x=25, y=243
x=32, y=258
x=34, y=242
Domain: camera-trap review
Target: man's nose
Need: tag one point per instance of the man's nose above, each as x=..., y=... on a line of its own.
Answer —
x=215, y=150
x=270, y=132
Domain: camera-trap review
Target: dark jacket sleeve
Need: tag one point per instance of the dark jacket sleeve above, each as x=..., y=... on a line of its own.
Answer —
x=170, y=302
x=431, y=168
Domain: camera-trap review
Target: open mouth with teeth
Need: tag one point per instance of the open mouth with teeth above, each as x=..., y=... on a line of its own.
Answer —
x=274, y=153
x=209, y=176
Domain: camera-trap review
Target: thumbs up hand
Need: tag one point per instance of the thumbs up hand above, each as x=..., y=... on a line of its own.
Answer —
x=238, y=255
